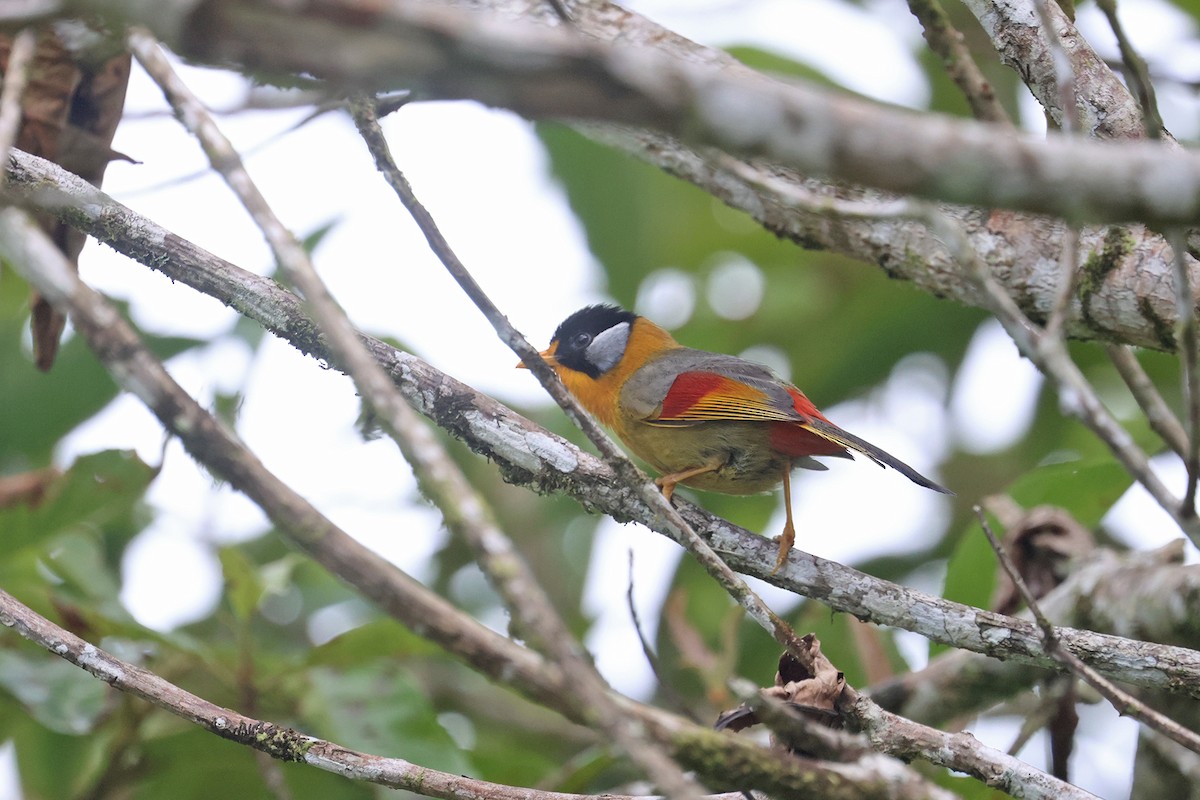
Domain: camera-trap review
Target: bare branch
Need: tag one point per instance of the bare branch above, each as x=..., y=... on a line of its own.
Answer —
x=465, y=511
x=1122, y=701
x=1189, y=354
x=1068, y=280
x=1136, y=72
x=276, y=741
x=1160, y=416
x=947, y=41
x=530, y=456
x=445, y=52
x=672, y=523
x=1102, y=103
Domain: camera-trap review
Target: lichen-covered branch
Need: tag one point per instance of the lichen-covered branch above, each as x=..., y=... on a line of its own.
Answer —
x=713, y=756
x=548, y=73
x=530, y=456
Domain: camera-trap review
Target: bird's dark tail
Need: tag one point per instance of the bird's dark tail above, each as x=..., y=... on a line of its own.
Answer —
x=827, y=430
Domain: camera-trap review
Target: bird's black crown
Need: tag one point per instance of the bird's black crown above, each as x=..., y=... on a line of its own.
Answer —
x=577, y=331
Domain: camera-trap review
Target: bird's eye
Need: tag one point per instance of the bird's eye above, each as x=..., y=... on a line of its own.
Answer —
x=580, y=340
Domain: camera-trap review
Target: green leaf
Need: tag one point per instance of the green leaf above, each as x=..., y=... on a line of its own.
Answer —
x=40, y=408
x=57, y=694
x=55, y=765
x=1086, y=489
x=378, y=708
x=380, y=638
x=187, y=765
x=100, y=491
x=243, y=584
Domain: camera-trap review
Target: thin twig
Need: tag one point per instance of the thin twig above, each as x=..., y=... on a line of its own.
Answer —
x=664, y=685
x=947, y=42
x=443, y=482
x=1068, y=274
x=1064, y=75
x=1186, y=340
x=675, y=526
x=1137, y=74
x=12, y=89
x=1125, y=703
x=1160, y=416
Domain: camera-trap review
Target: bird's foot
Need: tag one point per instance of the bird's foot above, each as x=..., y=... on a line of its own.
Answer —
x=786, y=540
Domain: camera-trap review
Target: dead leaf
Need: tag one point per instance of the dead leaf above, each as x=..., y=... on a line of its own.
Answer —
x=70, y=112
x=1041, y=543
x=26, y=488
x=812, y=690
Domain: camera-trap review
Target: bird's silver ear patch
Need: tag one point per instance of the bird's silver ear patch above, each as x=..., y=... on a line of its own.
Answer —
x=607, y=348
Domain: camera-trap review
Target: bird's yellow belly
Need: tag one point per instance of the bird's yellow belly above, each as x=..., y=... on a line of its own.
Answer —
x=746, y=463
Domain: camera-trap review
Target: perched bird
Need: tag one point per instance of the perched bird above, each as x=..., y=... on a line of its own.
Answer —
x=714, y=422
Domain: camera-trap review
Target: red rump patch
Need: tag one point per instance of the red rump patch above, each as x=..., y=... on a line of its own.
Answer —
x=690, y=388
x=794, y=441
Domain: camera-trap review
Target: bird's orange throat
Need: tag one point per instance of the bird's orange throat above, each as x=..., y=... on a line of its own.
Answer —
x=600, y=396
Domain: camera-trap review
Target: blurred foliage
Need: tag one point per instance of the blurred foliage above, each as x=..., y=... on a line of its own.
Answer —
x=842, y=326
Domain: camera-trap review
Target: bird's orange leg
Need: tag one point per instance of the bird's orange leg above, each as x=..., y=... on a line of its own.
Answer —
x=788, y=537
x=667, y=482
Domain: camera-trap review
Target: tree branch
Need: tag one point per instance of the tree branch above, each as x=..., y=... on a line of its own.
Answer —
x=547, y=73
x=276, y=741
x=714, y=756
x=1147, y=595
x=464, y=510
x=528, y=455
x=1104, y=108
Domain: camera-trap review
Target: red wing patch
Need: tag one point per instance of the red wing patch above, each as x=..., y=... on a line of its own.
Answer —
x=803, y=405
x=703, y=396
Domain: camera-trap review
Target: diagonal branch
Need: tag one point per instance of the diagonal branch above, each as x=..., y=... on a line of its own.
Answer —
x=1100, y=101
x=714, y=756
x=463, y=509
x=530, y=456
x=547, y=73
x=276, y=741
x=673, y=523
x=1123, y=702
x=949, y=44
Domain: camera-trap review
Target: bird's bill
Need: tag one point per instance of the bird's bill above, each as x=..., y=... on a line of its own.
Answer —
x=547, y=355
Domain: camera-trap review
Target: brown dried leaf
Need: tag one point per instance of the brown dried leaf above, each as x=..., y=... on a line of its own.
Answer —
x=1041, y=543
x=26, y=488
x=70, y=112
x=1062, y=733
x=811, y=690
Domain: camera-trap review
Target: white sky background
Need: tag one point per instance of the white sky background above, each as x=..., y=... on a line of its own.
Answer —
x=485, y=179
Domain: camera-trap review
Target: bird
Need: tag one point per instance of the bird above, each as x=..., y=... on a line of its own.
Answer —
x=705, y=420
